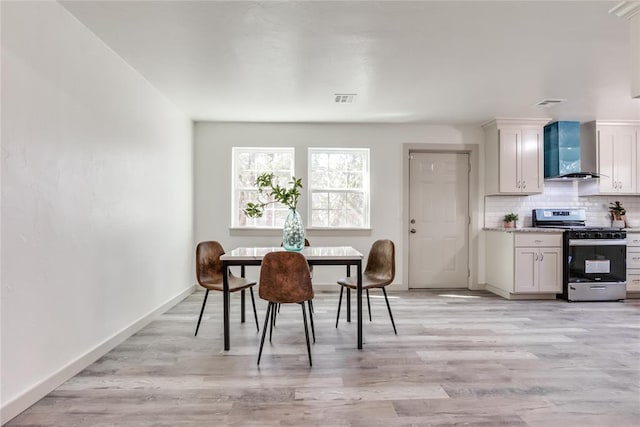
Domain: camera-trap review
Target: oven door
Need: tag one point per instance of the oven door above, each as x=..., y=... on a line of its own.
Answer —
x=597, y=260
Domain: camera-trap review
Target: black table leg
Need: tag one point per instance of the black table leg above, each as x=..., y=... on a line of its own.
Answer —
x=242, y=306
x=359, y=268
x=242, y=296
x=225, y=303
x=348, y=296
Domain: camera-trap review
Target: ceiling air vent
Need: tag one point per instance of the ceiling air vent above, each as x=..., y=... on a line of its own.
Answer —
x=549, y=102
x=344, y=98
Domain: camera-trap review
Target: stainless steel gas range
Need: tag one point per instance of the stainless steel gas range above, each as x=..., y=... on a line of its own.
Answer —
x=594, y=257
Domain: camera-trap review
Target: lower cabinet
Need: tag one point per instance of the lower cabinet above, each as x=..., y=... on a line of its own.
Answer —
x=538, y=270
x=524, y=264
x=633, y=262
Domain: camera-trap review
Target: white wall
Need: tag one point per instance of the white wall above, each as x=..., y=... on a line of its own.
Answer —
x=213, y=143
x=97, y=200
x=635, y=56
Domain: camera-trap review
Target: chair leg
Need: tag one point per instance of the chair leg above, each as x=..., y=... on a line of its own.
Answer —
x=339, y=304
x=272, y=321
x=389, y=307
x=348, y=304
x=276, y=310
x=242, y=304
x=306, y=332
x=201, y=311
x=264, y=331
x=368, y=305
x=313, y=330
x=255, y=313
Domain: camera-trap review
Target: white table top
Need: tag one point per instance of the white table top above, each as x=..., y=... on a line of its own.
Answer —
x=311, y=252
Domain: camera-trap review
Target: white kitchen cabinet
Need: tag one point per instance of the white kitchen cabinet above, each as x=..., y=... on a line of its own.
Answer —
x=538, y=268
x=514, y=156
x=633, y=262
x=611, y=149
x=524, y=265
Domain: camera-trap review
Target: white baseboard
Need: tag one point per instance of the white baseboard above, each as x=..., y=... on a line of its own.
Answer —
x=15, y=406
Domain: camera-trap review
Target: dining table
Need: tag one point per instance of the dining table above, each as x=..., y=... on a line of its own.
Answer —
x=315, y=255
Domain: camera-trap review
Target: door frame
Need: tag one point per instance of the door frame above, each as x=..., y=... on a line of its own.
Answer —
x=475, y=207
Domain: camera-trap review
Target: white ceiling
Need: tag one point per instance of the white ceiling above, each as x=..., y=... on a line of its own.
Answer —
x=428, y=62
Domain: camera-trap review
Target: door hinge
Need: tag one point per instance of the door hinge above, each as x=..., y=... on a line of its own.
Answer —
x=468, y=272
x=469, y=220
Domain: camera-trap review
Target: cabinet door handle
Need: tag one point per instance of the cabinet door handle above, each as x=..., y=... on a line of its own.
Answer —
x=535, y=257
x=541, y=256
x=524, y=184
x=518, y=184
x=538, y=241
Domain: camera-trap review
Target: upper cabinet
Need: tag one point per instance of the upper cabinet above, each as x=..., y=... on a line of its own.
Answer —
x=612, y=147
x=514, y=156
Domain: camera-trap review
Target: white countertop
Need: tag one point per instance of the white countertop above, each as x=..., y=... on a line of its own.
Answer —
x=543, y=230
x=525, y=230
x=311, y=252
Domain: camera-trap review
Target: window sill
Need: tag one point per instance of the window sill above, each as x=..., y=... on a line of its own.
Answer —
x=310, y=231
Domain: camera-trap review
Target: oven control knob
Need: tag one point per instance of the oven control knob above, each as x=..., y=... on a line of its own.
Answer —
x=617, y=235
x=582, y=235
x=597, y=235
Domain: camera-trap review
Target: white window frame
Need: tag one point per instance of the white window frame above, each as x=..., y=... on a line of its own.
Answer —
x=276, y=221
x=365, y=190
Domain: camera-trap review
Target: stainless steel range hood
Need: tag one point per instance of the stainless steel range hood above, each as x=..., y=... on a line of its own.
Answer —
x=562, y=153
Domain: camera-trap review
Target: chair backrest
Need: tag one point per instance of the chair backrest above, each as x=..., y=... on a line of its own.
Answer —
x=285, y=278
x=208, y=264
x=381, y=262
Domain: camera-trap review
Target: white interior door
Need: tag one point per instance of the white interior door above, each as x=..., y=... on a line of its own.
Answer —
x=439, y=220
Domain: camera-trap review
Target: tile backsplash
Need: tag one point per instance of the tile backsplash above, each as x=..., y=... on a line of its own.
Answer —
x=559, y=195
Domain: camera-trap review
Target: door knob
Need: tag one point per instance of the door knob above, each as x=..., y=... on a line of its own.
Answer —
x=413, y=231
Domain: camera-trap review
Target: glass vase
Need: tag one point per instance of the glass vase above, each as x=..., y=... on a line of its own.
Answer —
x=293, y=232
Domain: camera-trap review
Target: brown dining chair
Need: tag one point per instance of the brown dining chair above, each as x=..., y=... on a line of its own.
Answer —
x=284, y=279
x=310, y=302
x=379, y=272
x=209, y=275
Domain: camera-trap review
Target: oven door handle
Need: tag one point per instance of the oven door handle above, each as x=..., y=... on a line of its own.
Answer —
x=597, y=242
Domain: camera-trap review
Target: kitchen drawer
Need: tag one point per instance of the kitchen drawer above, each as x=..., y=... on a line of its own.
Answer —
x=538, y=240
x=633, y=259
x=633, y=239
x=633, y=280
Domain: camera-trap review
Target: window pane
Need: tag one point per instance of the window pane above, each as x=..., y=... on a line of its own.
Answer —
x=320, y=201
x=246, y=179
x=320, y=218
x=355, y=202
x=320, y=177
x=337, y=200
x=354, y=180
x=337, y=218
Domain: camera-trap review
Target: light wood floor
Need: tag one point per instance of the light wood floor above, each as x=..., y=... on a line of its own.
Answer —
x=460, y=358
